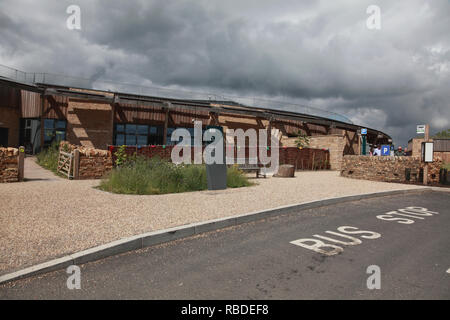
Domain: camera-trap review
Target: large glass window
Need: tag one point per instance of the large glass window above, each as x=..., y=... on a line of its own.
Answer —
x=191, y=132
x=138, y=134
x=54, y=130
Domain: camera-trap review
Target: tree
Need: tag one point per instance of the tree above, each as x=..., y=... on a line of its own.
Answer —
x=444, y=134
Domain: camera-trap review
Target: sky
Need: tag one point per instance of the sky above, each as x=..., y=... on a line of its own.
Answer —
x=316, y=53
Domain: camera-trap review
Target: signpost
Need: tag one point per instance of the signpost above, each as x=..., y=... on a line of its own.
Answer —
x=421, y=128
x=385, y=150
x=364, y=142
x=427, y=149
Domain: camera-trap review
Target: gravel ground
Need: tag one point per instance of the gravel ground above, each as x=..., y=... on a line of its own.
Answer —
x=47, y=217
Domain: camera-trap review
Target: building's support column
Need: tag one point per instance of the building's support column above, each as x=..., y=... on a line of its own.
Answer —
x=213, y=119
x=166, y=124
x=114, y=105
x=41, y=144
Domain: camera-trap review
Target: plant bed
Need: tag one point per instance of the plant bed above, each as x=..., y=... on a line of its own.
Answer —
x=145, y=176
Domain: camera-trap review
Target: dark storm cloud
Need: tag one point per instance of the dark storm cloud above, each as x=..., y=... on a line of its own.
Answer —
x=313, y=52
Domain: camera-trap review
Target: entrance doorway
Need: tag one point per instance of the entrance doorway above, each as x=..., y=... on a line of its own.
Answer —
x=3, y=137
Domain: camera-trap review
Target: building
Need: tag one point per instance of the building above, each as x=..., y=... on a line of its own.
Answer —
x=34, y=113
x=441, y=148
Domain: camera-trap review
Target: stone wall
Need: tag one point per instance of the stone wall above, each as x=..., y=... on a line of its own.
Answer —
x=388, y=169
x=9, y=165
x=92, y=163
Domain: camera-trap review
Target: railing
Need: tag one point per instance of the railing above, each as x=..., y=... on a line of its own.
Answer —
x=69, y=81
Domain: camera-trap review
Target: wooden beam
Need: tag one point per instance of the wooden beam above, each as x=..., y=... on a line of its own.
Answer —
x=166, y=125
x=41, y=147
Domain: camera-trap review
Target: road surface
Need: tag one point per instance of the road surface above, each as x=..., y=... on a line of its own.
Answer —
x=403, y=254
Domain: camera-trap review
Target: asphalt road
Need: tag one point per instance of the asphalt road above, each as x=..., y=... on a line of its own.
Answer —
x=258, y=261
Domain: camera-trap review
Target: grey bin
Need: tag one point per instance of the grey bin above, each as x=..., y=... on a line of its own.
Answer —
x=216, y=176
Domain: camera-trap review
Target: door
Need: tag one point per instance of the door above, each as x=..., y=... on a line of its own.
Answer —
x=3, y=137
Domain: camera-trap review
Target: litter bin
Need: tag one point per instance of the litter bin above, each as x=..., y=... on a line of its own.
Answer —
x=216, y=176
x=216, y=173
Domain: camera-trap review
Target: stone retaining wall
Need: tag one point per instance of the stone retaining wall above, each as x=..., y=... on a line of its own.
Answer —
x=9, y=165
x=389, y=169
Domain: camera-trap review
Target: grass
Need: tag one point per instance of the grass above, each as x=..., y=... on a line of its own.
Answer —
x=156, y=176
x=48, y=157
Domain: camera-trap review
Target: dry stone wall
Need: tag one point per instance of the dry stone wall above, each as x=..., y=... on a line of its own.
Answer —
x=389, y=169
x=9, y=165
x=92, y=163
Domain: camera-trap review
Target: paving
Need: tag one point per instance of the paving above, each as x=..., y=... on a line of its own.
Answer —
x=47, y=217
x=259, y=260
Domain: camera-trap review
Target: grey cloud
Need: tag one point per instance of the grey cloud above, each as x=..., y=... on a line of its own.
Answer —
x=311, y=52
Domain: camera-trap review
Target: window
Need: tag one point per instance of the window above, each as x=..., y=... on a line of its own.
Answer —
x=54, y=130
x=137, y=134
x=191, y=132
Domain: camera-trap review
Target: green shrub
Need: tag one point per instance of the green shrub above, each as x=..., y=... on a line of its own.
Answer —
x=446, y=166
x=156, y=176
x=236, y=178
x=48, y=157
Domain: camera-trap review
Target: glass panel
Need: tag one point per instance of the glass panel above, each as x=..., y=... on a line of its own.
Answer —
x=153, y=130
x=60, y=135
x=120, y=128
x=130, y=129
x=169, y=136
x=49, y=123
x=142, y=140
x=60, y=124
x=48, y=135
x=142, y=129
x=131, y=140
x=120, y=140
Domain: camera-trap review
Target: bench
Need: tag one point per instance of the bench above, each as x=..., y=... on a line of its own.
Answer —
x=247, y=165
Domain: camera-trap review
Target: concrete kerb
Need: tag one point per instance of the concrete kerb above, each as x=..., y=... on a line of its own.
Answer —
x=171, y=234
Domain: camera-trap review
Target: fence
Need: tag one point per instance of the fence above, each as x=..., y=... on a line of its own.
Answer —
x=301, y=159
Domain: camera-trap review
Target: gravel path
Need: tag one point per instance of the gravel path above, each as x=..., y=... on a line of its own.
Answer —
x=41, y=220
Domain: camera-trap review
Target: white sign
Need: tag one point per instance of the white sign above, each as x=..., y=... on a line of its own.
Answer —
x=428, y=151
x=420, y=129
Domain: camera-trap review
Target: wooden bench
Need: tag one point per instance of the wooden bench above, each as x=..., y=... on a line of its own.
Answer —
x=247, y=166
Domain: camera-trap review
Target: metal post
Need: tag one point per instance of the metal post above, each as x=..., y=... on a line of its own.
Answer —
x=76, y=164
x=364, y=145
x=21, y=162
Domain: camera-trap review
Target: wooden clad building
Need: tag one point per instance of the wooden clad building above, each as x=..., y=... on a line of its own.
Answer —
x=35, y=115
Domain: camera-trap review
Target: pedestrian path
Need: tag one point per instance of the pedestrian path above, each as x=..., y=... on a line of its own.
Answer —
x=34, y=172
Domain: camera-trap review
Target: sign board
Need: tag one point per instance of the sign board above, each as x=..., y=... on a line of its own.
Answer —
x=420, y=129
x=427, y=151
x=385, y=150
x=363, y=131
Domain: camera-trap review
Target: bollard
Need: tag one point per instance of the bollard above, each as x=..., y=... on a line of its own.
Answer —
x=21, y=163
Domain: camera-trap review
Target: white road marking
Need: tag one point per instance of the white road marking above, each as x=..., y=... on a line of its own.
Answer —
x=448, y=271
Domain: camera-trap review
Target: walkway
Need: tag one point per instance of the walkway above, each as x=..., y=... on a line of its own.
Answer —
x=33, y=171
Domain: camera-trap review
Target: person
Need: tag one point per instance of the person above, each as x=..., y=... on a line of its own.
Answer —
x=377, y=151
x=371, y=151
x=400, y=152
